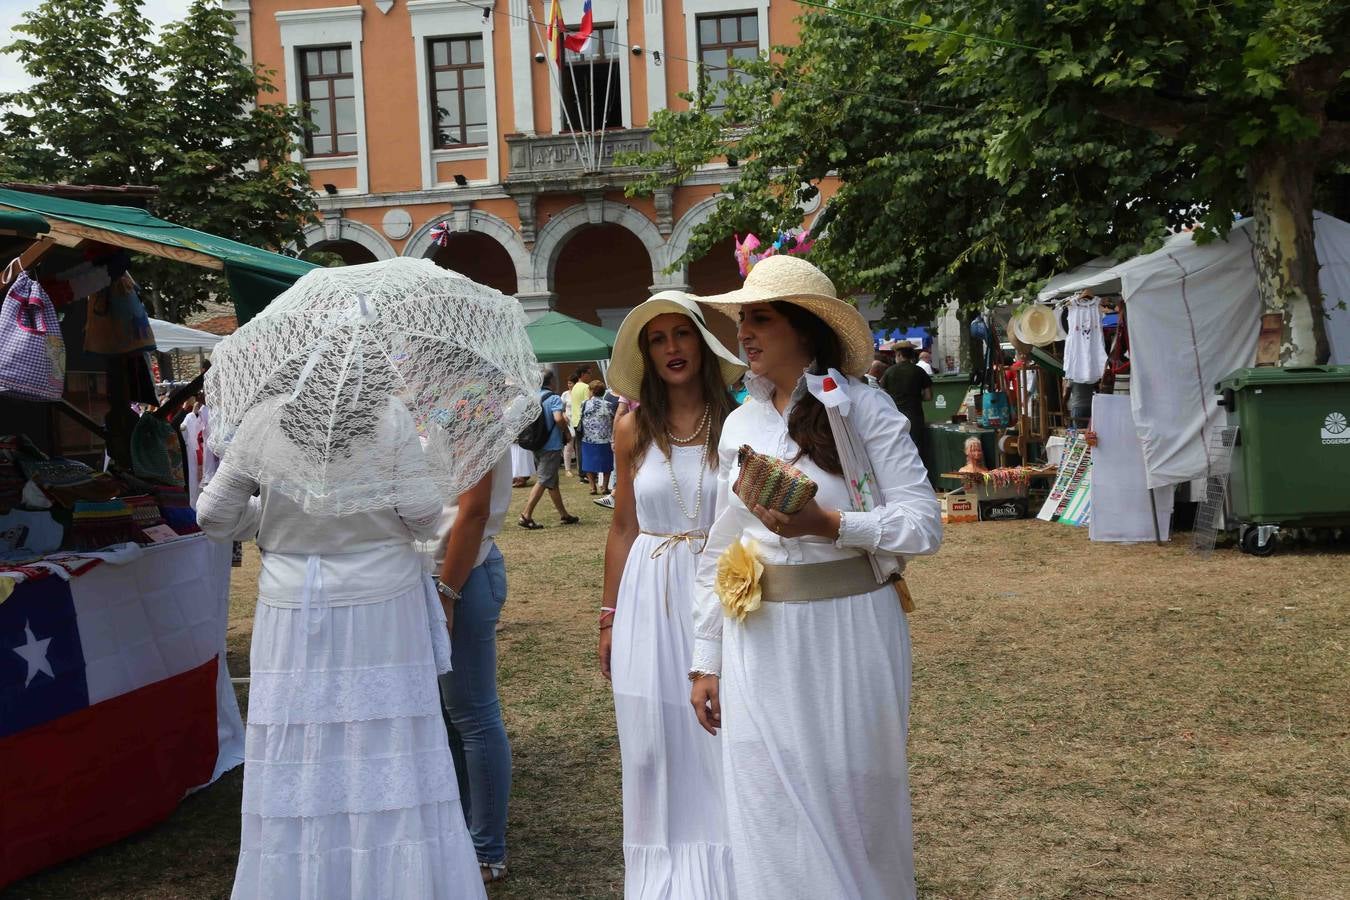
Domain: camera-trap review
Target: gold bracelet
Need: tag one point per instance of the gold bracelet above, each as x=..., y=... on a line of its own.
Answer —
x=695, y=676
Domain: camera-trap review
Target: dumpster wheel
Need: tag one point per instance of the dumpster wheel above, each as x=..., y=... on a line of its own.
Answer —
x=1260, y=540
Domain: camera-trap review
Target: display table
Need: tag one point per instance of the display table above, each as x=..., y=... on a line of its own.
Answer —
x=115, y=700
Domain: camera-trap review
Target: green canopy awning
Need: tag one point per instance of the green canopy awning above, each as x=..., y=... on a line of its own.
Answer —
x=559, y=338
x=255, y=276
x=23, y=222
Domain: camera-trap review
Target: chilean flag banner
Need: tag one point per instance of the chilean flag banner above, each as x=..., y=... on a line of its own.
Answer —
x=114, y=700
x=579, y=41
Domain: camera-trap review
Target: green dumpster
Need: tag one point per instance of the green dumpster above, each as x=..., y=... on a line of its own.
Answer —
x=948, y=392
x=1293, y=449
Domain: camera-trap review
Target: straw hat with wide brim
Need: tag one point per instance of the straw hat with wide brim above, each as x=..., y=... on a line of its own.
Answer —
x=1036, y=325
x=628, y=363
x=792, y=279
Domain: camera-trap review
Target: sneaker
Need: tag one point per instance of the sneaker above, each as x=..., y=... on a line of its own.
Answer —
x=606, y=501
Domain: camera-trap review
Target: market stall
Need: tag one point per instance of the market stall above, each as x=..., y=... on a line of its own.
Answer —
x=115, y=699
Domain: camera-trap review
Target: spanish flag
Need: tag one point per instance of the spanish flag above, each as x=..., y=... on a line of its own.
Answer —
x=556, y=32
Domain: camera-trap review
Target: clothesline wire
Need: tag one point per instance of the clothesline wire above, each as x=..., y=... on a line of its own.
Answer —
x=843, y=92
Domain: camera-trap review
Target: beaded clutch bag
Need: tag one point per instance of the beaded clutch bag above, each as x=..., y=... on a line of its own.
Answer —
x=771, y=482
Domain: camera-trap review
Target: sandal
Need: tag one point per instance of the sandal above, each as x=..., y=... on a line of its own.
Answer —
x=570, y=520
x=531, y=524
x=492, y=872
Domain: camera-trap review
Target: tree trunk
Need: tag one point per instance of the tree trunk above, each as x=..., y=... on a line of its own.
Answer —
x=1281, y=181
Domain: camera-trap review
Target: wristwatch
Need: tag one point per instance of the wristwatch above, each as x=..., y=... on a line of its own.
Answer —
x=446, y=590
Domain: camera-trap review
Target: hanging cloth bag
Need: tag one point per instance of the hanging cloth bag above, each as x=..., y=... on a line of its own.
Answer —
x=32, y=351
x=116, y=323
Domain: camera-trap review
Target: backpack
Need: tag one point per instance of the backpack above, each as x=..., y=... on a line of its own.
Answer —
x=536, y=434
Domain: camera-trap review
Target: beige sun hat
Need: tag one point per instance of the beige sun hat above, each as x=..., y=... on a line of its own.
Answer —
x=1036, y=325
x=628, y=363
x=794, y=280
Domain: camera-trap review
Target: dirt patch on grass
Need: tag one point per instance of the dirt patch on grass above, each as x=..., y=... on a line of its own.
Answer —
x=1087, y=721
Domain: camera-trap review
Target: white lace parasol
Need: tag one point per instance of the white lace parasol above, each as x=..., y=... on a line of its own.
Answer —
x=318, y=396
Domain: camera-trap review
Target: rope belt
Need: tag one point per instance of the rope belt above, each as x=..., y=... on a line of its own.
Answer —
x=694, y=540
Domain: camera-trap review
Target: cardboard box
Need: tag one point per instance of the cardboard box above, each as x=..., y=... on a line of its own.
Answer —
x=957, y=508
x=1002, y=510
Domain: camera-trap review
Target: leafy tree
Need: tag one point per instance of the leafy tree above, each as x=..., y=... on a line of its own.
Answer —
x=968, y=167
x=1254, y=91
x=107, y=106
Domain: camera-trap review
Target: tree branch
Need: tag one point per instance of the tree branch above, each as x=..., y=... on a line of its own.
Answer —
x=1334, y=141
x=1167, y=118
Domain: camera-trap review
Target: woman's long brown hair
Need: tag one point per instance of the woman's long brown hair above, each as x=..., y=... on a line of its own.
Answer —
x=809, y=423
x=654, y=403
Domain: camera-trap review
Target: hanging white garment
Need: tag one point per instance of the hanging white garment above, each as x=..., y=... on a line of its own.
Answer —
x=675, y=842
x=1084, y=348
x=1121, y=507
x=192, y=436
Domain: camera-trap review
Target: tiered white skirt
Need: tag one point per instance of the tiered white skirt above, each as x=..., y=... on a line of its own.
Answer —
x=349, y=786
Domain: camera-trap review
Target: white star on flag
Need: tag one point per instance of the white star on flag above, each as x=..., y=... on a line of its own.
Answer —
x=35, y=654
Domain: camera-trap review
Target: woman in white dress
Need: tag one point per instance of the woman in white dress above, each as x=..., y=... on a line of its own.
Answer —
x=675, y=841
x=811, y=696
x=349, y=784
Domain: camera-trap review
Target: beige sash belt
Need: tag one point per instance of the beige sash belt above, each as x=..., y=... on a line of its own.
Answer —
x=819, y=581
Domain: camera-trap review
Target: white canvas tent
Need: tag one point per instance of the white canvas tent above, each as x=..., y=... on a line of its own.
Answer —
x=171, y=336
x=1194, y=316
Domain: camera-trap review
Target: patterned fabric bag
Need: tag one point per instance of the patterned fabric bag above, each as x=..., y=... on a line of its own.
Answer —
x=116, y=322
x=32, y=351
x=771, y=482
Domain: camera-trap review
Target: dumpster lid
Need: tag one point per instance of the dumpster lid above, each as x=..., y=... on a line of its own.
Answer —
x=1274, y=376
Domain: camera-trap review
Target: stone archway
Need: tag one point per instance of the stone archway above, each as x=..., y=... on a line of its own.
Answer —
x=559, y=229
x=480, y=257
x=341, y=229
x=476, y=221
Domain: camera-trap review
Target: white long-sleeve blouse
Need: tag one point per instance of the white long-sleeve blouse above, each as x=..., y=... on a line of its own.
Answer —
x=907, y=523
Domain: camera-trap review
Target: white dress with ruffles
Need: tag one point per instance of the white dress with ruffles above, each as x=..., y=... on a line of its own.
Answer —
x=349, y=785
x=675, y=841
x=815, y=695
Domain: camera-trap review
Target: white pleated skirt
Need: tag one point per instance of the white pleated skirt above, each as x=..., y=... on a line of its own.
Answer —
x=349, y=785
x=675, y=844
x=815, y=712
x=522, y=462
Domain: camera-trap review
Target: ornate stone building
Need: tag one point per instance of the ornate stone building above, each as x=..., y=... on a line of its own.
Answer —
x=451, y=111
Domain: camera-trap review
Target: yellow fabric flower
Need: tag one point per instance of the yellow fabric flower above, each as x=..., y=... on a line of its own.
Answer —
x=738, y=574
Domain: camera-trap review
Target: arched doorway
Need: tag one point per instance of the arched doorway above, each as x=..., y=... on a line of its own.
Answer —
x=716, y=272
x=480, y=257
x=349, y=252
x=601, y=267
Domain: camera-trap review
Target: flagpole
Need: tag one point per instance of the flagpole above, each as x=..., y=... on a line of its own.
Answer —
x=581, y=156
x=609, y=78
x=590, y=148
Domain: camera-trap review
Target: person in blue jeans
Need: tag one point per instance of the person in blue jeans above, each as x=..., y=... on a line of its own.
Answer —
x=472, y=581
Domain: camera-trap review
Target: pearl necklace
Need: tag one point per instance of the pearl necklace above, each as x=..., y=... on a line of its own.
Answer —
x=697, y=430
x=702, y=470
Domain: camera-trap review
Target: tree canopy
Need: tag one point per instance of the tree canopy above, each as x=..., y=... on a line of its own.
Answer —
x=983, y=146
x=110, y=106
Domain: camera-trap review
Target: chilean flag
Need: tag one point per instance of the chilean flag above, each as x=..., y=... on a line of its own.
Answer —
x=579, y=41
x=110, y=700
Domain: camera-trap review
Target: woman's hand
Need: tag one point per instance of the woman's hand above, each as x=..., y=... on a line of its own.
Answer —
x=811, y=520
x=706, y=704
x=606, y=642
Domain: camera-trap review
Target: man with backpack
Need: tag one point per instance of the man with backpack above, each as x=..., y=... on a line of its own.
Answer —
x=546, y=437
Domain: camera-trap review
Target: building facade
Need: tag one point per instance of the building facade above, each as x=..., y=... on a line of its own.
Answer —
x=449, y=119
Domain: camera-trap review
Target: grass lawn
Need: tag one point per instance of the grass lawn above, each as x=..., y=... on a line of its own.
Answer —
x=1087, y=721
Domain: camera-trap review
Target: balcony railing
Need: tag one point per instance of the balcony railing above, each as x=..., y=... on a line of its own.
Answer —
x=583, y=157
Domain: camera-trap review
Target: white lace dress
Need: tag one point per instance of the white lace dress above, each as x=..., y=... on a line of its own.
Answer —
x=675, y=843
x=349, y=785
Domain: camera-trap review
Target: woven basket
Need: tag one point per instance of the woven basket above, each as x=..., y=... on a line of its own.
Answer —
x=772, y=483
